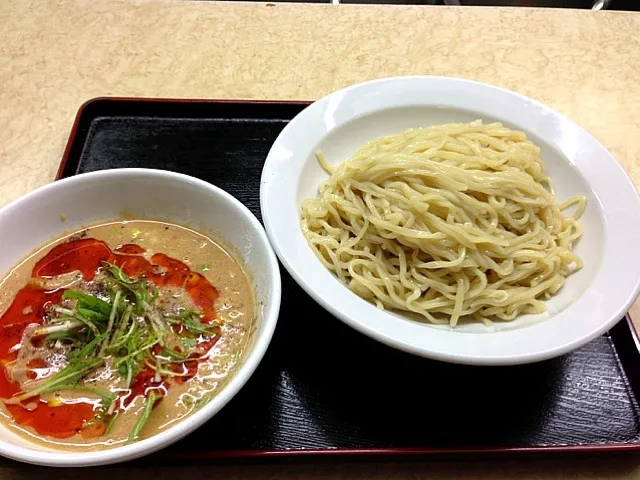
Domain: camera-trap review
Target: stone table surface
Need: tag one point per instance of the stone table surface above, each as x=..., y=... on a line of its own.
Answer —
x=55, y=55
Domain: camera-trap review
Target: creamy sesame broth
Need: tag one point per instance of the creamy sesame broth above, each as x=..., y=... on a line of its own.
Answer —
x=115, y=332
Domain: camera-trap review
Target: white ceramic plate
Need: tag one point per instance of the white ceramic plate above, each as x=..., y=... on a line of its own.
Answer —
x=591, y=301
x=34, y=219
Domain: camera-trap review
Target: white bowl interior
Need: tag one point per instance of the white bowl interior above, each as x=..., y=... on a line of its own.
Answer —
x=35, y=219
x=343, y=140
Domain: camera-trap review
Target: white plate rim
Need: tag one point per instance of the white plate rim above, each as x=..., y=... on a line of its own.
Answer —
x=622, y=220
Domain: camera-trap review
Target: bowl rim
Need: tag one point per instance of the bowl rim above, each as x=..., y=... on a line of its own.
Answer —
x=319, y=120
x=236, y=382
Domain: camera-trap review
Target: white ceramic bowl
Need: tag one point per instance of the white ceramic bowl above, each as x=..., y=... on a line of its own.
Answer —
x=34, y=219
x=591, y=301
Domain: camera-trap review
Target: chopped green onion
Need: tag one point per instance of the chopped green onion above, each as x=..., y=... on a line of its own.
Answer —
x=90, y=325
x=106, y=396
x=125, y=330
x=112, y=318
x=59, y=335
x=88, y=301
x=112, y=421
x=63, y=327
x=66, y=377
x=138, y=288
x=120, y=338
x=91, y=315
x=192, y=323
x=119, y=274
x=87, y=351
x=169, y=353
x=144, y=415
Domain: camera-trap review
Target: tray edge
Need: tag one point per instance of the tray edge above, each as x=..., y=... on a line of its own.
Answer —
x=354, y=452
x=97, y=100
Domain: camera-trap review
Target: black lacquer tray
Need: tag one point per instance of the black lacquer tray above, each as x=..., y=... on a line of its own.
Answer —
x=324, y=389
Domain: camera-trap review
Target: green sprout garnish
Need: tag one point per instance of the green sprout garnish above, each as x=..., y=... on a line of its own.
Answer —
x=66, y=378
x=144, y=415
x=124, y=329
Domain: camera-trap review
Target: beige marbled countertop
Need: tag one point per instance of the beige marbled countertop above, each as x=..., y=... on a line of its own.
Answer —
x=55, y=55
